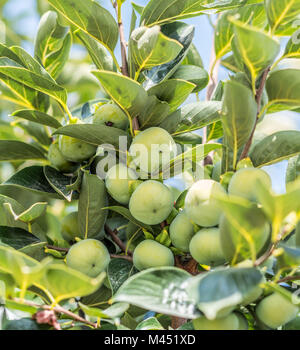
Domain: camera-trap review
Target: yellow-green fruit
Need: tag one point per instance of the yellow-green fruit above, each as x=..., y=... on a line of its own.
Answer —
x=205, y=247
x=151, y=203
x=118, y=181
x=150, y=253
x=201, y=205
x=75, y=150
x=181, y=231
x=275, y=310
x=232, y=239
x=152, y=148
x=243, y=323
x=230, y=322
x=70, y=227
x=88, y=256
x=111, y=115
x=58, y=161
x=244, y=183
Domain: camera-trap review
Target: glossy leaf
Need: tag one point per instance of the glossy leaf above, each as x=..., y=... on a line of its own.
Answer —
x=113, y=312
x=118, y=271
x=30, y=214
x=293, y=169
x=193, y=74
x=37, y=117
x=150, y=324
x=59, y=182
x=16, y=237
x=193, y=57
x=17, y=150
x=154, y=113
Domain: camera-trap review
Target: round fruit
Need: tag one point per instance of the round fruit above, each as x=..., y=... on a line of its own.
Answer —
x=275, y=310
x=233, y=239
x=200, y=204
x=118, y=181
x=111, y=115
x=70, y=227
x=150, y=253
x=88, y=256
x=58, y=161
x=75, y=150
x=244, y=183
x=181, y=231
x=205, y=247
x=152, y=148
x=230, y=322
x=151, y=203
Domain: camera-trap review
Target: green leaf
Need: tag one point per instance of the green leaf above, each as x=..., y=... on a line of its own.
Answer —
x=290, y=257
x=172, y=91
x=163, y=11
x=17, y=150
x=30, y=214
x=182, y=33
x=16, y=237
x=193, y=57
x=256, y=48
x=293, y=169
x=113, y=312
x=276, y=147
x=154, y=113
x=161, y=290
x=222, y=288
x=196, y=115
x=92, y=200
x=149, y=47
x=97, y=51
x=138, y=8
x=118, y=271
x=59, y=182
x=281, y=12
x=292, y=49
x=37, y=117
x=13, y=203
x=150, y=324
x=127, y=93
x=31, y=178
x=239, y=112
x=94, y=134
x=64, y=282
x=126, y=214
x=91, y=18
x=193, y=74
x=37, y=132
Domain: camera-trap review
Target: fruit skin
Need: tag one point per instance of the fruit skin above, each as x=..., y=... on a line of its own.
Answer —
x=151, y=203
x=200, y=204
x=141, y=149
x=70, y=227
x=111, y=115
x=75, y=150
x=58, y=161
x=275, y=310
x=244, y=183
x=181, y=231
x=230, y=236
x=205, y=247
x=150, y=253
x=88, y=256
x=118, y=181
x=230, y=322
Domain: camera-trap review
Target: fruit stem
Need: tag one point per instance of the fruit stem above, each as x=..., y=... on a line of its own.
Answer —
x=116, y=239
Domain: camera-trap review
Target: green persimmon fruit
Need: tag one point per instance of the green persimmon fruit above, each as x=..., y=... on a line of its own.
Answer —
x=59, y=161
x=150, y=253
x=200, y=204
x=75, y=150
x=88, y=256
x=151, y=203
x=244, y=183
x=111, y=115
x=230, y=322
x=152, y=148
x=243, y=323
x=181, y=231
x=232, y=239
x=276, y=310
x=205, y=247
x=217, y=171
x=118, y=181
x=70, y=227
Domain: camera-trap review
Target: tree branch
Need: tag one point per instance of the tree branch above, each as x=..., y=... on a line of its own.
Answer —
x=258, y=99
x=116, y=239
x=57, y=248
x=289, y=278
x=265, y=256
x=125, y=257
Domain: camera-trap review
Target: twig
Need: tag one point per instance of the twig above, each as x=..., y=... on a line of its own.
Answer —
x=289, y=278
x=258, y=99
x=57, y=248
x=58, y=309
x=125, y=257
x=116, y=239
x=265, y=256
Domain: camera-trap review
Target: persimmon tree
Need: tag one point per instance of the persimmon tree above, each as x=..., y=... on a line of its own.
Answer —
x=92, y=236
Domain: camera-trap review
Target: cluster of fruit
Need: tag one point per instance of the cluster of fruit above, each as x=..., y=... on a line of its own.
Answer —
x=199, y=229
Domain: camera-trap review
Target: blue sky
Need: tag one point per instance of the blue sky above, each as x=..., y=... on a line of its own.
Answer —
x=27, y=19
